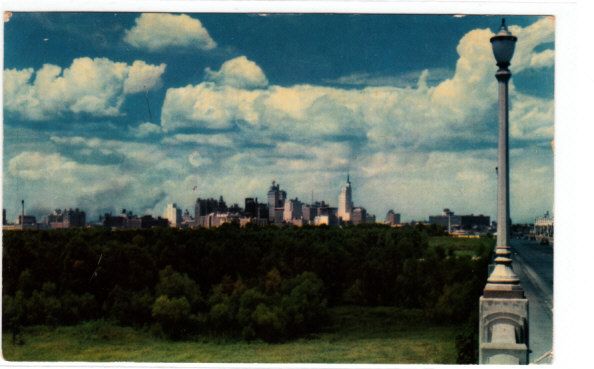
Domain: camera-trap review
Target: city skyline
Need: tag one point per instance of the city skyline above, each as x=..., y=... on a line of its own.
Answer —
x=186, y=106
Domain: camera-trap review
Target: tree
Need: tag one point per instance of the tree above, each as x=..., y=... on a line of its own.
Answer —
x=175, y=285
x=173, y=315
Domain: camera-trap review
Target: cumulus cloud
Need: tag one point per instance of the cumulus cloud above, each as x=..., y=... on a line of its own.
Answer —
x=232, y=136
x=220, y=140
x=33, y=165
x=460, y=108
x=543, y=59
x=197, y=160
x=93, y=86
x=399, y=138
x=538, y=33
x=146, y=129
x=238, y=72
x=155, y=32
x=143, y=77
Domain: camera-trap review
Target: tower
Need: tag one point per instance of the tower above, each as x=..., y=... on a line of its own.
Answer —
x=345, y=201
x=273, y=200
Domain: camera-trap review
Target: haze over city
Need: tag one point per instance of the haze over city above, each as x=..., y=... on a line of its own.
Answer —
x=100, y=116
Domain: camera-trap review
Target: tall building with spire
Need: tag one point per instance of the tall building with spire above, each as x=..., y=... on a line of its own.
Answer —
x=345, y=201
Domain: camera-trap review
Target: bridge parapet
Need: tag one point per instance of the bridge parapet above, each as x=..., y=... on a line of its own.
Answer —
x=503, y=330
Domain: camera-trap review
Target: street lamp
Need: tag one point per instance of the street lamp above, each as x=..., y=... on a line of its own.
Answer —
x=503, y=308
x=503, y=282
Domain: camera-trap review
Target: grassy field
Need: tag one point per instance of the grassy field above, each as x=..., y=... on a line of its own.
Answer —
x=462, y=246
x=356, y=335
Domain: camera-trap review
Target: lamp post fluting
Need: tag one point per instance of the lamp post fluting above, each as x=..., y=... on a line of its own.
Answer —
x=503, y=282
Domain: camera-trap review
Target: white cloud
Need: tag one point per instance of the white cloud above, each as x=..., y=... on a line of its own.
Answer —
x=131, y=153
x=208, y=106
x=93, y=86
x=33, y=165
x=532, y=118
x=393, y=139
x=143, y=77
x=460, y=107
x=538, y=33
x=220, y=140
x=146, y=129
x=396, y=138
x=197, y=160
x=155, y=32
x=543, y=59
x=238, y=72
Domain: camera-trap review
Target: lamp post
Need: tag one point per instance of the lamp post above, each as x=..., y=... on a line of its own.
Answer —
x=503, y=282
x=503, y=308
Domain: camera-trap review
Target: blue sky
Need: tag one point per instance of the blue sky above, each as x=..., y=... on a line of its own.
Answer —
x=105, y=111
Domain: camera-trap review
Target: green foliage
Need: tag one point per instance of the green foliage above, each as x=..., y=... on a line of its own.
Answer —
x=129, y=307
x=265, y=283
x=303, y=303
x=467, y=344
x=174, y=284
x=172, y=314
x=357, y=334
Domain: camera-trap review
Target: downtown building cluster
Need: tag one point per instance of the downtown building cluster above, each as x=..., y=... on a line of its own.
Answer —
x=277, y=209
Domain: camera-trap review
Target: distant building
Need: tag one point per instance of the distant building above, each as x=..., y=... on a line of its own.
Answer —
x=447, y=219
x=251, y=207
x=4, y=222
x=309, y=212
x=214, y=220
x=345, y=201
x=451, y=221
x=276, y=200
x=544, y=228
x=187, y=220
x=359, y=216
x=325, y=214
x=147, y=221
x=292, y=210
x=472, y=221
x=392, y=218
x=262, y=212
x=173, y=214
x=111, y=221
x=26, y=220
x=66, y=219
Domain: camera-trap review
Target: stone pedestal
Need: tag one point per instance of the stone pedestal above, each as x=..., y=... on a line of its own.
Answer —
x=503, y=330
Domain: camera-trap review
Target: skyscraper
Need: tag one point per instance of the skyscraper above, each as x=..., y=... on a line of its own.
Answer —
x=276, y=202
x=173, y=214
x=345, y=201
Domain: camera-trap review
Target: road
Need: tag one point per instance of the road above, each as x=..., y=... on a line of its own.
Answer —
x=533, y=263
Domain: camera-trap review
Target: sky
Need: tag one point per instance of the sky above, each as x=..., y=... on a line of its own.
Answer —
x=105, y=111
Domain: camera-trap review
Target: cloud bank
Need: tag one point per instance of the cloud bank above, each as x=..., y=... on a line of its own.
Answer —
x=155, y=32
x=92, y=86
x=415, y=147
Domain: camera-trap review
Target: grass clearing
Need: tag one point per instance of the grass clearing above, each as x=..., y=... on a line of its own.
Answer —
x=462, y=246
x=356, y=335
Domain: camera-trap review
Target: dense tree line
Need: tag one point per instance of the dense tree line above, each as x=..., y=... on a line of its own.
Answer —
x=269, y=283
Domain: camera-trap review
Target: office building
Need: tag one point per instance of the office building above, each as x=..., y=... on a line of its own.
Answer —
x=345, y=201
x=392, y=218
x=276, y=200
x=292, y=210
x=359, y=216
x=173, y=214
x=65, y=219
